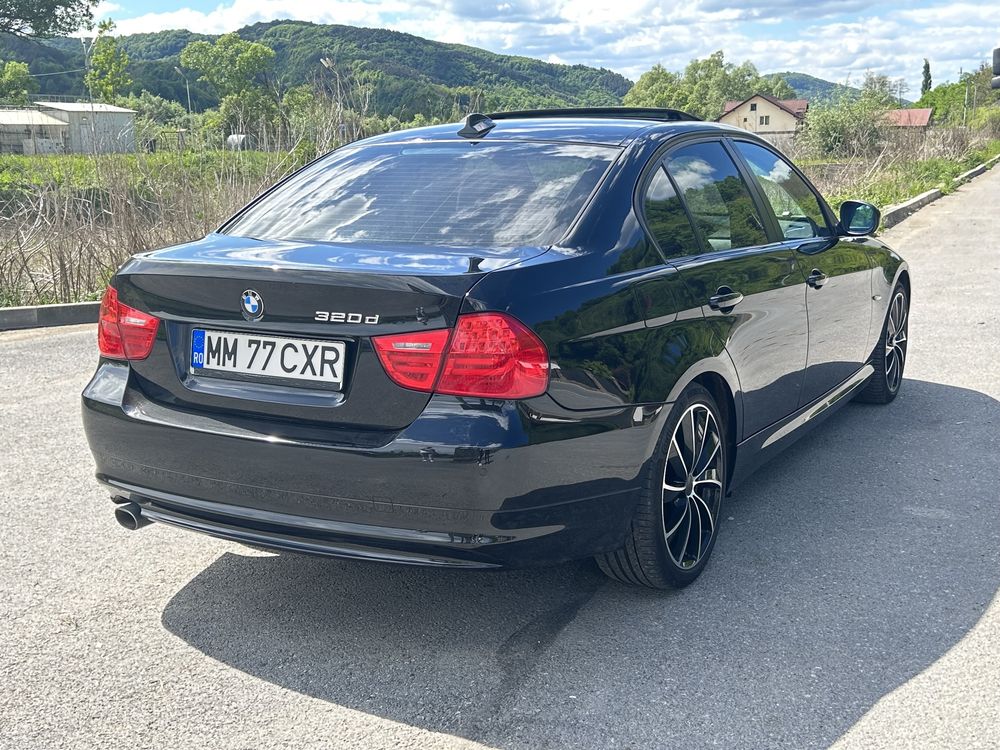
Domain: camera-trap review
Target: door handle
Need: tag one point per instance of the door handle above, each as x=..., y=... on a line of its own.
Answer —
x=725, y=299
x=817, y=279
x=813, y=246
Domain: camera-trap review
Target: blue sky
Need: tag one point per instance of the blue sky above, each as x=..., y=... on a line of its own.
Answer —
x=832, y=39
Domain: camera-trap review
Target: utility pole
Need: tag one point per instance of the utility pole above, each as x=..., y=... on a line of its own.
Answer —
x=186, y=86
x=965, y=104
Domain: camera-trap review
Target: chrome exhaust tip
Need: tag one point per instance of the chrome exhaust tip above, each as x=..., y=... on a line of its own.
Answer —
x=130, y=516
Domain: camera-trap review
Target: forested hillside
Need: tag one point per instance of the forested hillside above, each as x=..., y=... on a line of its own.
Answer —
x=412, y=75
x=817, y=90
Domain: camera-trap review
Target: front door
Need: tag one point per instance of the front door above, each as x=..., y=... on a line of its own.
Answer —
x=837, y=269
x=749, y=286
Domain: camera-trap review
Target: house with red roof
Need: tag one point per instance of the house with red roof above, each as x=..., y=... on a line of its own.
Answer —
x=910, y=118
x=765, y=114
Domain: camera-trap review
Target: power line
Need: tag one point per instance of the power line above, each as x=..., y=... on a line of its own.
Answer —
x=57, y=73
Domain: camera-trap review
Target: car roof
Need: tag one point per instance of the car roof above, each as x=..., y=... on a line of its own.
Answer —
x=603, y=130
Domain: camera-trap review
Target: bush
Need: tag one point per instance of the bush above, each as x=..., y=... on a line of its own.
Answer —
x=987, y=120
x=846, y=129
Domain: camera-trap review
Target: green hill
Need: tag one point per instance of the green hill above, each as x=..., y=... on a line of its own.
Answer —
x=816, y=90
x=412, y=74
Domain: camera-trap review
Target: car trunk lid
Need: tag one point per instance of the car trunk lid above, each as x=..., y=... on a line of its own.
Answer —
x=310, y=292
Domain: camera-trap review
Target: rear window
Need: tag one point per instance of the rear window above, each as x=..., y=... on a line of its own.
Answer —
x=466, y=194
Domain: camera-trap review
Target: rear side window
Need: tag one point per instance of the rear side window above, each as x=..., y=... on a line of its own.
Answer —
x=466, y=194
x=716, y=196
x=666, y=218
x=795, y=205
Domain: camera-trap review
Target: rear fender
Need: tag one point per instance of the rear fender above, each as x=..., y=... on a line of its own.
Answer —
x=720, y=367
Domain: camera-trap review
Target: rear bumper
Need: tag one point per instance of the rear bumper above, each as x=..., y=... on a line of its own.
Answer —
x=483, y=484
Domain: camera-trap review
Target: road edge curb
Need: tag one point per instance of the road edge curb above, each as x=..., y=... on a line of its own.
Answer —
x=48, y=316
x=893, y=215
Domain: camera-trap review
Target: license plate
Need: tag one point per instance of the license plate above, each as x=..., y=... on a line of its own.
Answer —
x=269, y=356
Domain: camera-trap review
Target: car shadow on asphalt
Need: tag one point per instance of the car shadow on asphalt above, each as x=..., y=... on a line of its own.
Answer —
x=845, y=567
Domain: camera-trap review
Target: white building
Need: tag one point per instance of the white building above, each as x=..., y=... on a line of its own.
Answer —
x=777, y=120
x=27, y=131
x=94, y=128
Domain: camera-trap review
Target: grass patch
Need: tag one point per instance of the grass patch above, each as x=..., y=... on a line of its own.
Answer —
x=901, y=179
x=81, y=172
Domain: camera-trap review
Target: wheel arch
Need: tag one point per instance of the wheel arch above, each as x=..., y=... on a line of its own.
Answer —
x=718, y=376
x=903, y=277
x=715, y=384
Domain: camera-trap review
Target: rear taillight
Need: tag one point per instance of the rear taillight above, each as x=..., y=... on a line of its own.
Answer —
x=413, y=359
x=494, y=356
x=489, y=355
x=122, y=331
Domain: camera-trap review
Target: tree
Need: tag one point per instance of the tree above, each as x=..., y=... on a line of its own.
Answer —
x=926, y=85
x=954, y=103
x=16, y=84
x=155, y=108
x=900, y=87
x=251, y=112
x=853, y=126
x=657, y=87
x=878, y=90
x=107, y=74
x=230, y=64
x=45, y=18
x=705, y=86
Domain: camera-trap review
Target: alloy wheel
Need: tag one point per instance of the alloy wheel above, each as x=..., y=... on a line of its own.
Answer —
x=692, y=486
x=895, y=341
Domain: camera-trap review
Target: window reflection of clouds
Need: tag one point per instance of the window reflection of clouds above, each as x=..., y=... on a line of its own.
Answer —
x=717, y=197
x=465, y=194
x=780, y=172
x=692, y=173
x=660, y=188
x=304, y=202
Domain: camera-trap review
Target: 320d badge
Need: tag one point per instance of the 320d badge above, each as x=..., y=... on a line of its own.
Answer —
x=556, y=334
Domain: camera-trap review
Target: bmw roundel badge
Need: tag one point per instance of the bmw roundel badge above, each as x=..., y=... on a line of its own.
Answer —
x=252, y=305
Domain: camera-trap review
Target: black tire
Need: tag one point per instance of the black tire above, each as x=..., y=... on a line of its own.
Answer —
x=889, y=357
x=653, y=555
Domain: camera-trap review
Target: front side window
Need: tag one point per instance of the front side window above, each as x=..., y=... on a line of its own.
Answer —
x=464, y=194
x=717, y=198
x=795, y=205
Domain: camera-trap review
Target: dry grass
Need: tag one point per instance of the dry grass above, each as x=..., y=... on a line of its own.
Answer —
x=905, y=164
x=67, y=222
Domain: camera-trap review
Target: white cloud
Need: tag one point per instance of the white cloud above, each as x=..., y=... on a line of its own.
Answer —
x=231, y=16
x=833, y=39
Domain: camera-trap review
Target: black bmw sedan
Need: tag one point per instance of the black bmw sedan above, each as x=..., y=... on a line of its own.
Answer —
x=522, y=339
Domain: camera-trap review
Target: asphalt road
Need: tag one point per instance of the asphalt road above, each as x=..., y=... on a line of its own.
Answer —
x=852, y=597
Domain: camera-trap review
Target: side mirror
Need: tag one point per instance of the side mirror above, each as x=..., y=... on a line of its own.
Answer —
x=996, y=69
x=859, y=218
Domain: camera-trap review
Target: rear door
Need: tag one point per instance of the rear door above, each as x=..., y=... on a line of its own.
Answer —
x=749, y=286
x=838, y=271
